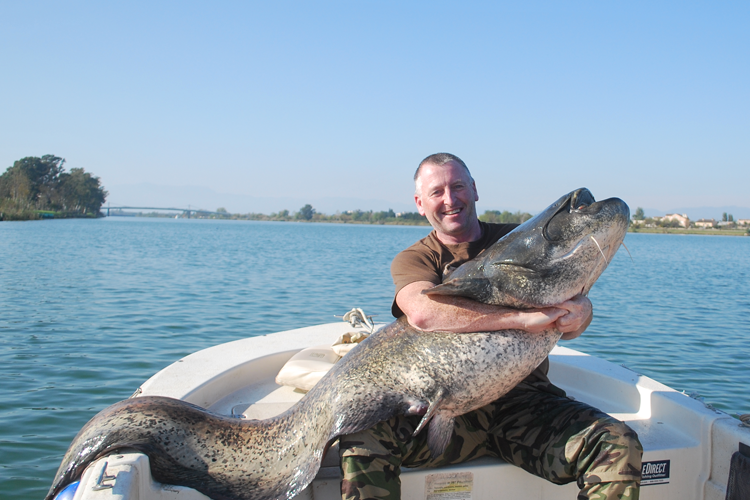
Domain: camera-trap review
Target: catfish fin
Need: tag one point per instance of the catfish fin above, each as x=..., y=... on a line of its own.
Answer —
x=439, y=434
x=430, y=411
x=443, y=289
x=464, y=287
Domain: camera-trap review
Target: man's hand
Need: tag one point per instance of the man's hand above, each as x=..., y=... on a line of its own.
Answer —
x=537, y=320
x=571, y=317
x=578, y=316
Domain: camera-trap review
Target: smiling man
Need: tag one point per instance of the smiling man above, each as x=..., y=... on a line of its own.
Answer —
x=445, y=194
x=535, y=426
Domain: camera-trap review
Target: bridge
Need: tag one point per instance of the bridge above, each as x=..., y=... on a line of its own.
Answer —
x=181, y=210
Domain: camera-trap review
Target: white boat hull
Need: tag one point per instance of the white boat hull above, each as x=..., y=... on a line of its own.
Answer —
x=688, y=445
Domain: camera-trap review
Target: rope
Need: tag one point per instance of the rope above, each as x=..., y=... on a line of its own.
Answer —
x=357, y=318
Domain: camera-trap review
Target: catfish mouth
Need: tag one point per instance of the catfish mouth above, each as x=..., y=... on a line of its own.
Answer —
x=580, y=244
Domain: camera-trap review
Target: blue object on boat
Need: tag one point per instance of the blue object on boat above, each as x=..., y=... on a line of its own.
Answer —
x=68, y=492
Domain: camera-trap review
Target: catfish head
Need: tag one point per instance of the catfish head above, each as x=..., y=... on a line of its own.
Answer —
x=547, y=260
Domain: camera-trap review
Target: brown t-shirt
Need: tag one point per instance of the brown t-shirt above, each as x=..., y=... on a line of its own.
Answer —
x=429, y=259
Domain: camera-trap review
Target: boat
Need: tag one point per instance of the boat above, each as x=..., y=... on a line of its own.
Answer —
x=691, y=450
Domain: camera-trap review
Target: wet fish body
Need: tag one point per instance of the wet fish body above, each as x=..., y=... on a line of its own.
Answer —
x=399, y=370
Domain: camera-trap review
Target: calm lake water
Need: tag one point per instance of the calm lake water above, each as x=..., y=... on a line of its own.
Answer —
x=92, y=308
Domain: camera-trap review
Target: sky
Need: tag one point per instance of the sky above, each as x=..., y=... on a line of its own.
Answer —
x=261, y=106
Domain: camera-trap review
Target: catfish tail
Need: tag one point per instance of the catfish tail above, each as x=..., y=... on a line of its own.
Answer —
x=222, y=457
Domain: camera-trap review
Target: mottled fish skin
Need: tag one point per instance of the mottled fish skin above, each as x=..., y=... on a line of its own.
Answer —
x=564, y=248
x=398, y=370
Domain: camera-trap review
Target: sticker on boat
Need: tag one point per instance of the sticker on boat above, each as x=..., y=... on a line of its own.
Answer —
x=655, y=472
x=449, y=486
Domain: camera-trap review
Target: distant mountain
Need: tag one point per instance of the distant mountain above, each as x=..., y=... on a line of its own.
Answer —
x=695, y=213
x=196, y=197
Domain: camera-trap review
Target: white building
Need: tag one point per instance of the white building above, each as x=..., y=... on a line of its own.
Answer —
x=705, y=223
x=683, y=219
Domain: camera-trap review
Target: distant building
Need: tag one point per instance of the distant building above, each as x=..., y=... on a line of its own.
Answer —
x=706, y=223
x=682, y=219
x=743, y=222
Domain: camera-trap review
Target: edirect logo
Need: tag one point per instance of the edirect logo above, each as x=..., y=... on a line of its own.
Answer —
x=655, y=472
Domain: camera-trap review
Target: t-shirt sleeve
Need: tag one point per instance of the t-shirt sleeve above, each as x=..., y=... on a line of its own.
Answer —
x=411, y=266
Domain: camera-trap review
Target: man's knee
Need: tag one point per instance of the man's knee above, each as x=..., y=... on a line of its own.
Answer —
x=614, y=455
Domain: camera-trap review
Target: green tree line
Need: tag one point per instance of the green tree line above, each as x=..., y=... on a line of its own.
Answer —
x=504, y=217
x=309, y=214
x=40, y=187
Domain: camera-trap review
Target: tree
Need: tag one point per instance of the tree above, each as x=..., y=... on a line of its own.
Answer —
x=639, y=214
x=412, y=216
x=724, y=217
x=382, y=216
x=42, y=184
x=15, y=187
x=81, y=192
x=669, y=223
x=504, y=217
x=306, y=212
x=31, y=182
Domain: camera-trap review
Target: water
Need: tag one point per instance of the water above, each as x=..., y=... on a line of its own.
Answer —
x=90, y=309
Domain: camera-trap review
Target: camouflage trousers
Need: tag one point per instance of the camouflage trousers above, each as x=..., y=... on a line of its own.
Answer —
x=535, y=426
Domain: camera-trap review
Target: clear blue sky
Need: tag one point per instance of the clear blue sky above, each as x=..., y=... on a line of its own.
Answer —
x=648, y=101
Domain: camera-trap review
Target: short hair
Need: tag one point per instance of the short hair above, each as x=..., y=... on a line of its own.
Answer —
x=440, y=159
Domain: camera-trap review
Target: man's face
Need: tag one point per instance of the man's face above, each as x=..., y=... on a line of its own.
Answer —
x=446, y=196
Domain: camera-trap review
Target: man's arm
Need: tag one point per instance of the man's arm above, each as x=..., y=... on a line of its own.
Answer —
x=463, y=315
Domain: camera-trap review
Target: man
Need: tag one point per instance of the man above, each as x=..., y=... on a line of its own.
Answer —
x=535, y=426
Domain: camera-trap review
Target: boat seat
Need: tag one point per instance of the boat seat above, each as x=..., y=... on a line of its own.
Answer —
x=307, y=367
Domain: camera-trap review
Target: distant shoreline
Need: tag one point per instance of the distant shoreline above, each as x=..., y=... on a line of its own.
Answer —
x=699, y=232
x=416, y=222
x=273, y=218
x=407, y=222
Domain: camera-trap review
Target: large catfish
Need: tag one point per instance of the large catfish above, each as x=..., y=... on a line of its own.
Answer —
x=399, y=370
